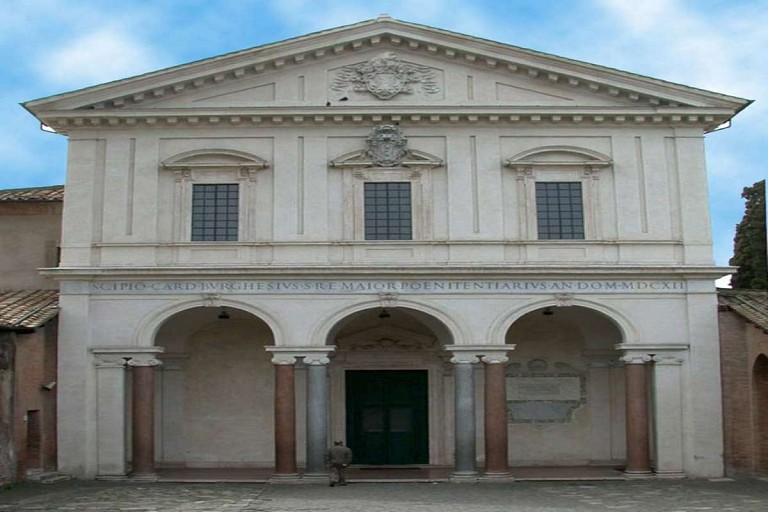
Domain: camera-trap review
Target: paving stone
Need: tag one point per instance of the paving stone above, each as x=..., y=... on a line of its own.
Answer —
x=745, y=495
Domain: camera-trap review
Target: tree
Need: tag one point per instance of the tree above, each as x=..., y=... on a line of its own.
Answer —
x=749, y=244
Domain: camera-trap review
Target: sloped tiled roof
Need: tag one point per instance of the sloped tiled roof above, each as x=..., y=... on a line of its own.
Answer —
x=27, y=308
x=752, y=305
x=37, y=194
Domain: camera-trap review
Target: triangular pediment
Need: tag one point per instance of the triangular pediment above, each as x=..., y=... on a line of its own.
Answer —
x=382, y=63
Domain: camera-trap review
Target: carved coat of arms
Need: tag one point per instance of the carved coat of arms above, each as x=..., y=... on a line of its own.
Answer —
x=386, y=145
x=385, y=76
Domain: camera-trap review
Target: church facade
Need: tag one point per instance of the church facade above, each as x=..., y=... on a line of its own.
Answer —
x=440, y=249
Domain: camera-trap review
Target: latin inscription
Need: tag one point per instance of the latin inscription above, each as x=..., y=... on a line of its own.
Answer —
x=543, y=388
x=395, y=286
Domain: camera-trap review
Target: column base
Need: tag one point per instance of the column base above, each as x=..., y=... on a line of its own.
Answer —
x=464, y=477
x=496, y=476
x=670, y=474
x=285, y=478
x=112, y=478
x=638, y=474
x=315, y=477
x=143, y=477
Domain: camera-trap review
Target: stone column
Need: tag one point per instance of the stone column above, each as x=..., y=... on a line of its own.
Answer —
x=464, y=395
x=496, y=448
x=143, y=410
x=285, y=416
x=638, y=441
x=110, y=416
x=317, y=413
x=669, y=415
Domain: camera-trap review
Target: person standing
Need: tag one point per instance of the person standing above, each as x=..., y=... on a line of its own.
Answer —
x=338, y=457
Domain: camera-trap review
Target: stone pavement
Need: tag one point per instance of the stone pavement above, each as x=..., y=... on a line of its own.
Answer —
x=648, y=496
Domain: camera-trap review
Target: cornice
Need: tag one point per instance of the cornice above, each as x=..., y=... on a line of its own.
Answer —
x=74, y=120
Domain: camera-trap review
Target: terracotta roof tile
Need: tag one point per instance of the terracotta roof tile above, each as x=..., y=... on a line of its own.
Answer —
x=27, y=308
x=752, y=305
x=53, y=193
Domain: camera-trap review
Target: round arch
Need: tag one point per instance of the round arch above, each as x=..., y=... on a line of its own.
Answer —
x=760, y=410
x=149, y=326
x=324, y=329
x=503, y=323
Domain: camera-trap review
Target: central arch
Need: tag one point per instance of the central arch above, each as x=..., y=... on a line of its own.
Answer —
x=388, y=389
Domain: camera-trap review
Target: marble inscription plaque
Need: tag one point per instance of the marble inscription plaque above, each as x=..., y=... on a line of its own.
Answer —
x=543, y=388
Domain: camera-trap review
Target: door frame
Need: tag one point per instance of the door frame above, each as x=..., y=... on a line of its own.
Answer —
x=421, y=426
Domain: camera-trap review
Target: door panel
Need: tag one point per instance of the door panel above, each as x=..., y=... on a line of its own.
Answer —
x=387, y=416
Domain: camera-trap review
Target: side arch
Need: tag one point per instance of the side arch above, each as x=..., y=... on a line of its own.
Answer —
x=502, y=324
x=146, y=332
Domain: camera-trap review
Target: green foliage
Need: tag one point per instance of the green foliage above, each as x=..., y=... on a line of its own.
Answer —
x=749, y=244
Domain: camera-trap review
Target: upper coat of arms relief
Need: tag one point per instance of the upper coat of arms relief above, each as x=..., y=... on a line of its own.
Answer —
x=385, y=76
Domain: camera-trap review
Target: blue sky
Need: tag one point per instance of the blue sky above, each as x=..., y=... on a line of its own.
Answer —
x=53, y=46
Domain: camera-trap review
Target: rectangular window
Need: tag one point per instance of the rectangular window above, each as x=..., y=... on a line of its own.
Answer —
x=559, y=211
x=388, y=211
x=215, y=212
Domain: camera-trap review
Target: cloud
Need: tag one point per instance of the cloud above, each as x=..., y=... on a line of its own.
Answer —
x=96, y=57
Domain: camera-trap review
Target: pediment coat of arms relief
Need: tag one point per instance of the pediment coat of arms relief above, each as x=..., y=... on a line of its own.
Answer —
x=385, y=76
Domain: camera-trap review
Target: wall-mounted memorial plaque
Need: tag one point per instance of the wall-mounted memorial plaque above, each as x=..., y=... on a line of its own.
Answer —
x=540, y=395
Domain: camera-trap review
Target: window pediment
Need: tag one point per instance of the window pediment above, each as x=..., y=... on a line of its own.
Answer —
x=215, y=158
x=386, y=147
x=558, y=156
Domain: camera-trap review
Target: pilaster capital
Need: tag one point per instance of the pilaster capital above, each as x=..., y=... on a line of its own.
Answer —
x=120, y=357
x=144, y=362
x=668, y=359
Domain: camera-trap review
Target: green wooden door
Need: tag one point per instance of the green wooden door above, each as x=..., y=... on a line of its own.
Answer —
x=387, y=417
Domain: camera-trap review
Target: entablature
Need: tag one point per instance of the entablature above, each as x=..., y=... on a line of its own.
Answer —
x=67, y=122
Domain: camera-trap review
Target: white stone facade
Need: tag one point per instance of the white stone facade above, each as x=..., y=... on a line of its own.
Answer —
x=483, y=122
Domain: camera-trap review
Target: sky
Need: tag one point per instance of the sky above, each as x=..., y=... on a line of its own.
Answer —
x=54, y=46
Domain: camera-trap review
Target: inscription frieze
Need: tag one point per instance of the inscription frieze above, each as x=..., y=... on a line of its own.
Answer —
x=355, y=286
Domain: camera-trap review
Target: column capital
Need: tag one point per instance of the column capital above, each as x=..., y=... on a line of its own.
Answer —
x=464, y=359
x=490, y=358
x=311, y=355
x=474, y=353
x=635, y=359
x=282, y=359
x=316, y=359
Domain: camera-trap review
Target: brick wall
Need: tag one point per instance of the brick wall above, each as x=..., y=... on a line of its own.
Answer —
x=745, y=395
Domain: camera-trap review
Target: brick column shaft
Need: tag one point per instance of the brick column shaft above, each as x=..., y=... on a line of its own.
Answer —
x=285, y=420
x=638, y=452
x=496, y=450
x=143, y=410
